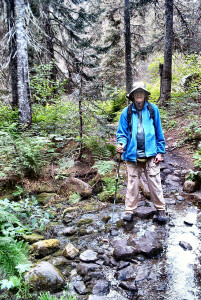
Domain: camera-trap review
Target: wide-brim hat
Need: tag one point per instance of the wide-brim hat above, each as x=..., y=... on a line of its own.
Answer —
x=138, y=85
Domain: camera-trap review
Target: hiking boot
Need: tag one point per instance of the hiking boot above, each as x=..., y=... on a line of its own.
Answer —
x=128, y=216
x=162, y=216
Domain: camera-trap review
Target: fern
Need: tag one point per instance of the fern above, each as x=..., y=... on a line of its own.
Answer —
x=104, y=166
x=12, y=253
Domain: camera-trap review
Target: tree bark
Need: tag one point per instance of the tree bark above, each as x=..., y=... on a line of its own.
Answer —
x=12, y=51
x=22, y=65
x=166, y=77
x=127, y=38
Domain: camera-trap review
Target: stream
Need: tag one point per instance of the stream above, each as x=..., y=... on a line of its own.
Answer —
x=169, y=270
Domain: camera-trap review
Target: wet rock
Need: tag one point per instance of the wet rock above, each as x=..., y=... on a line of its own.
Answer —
x=75, y=185
x=88, y=256
x=123, y=264
x=148, y=245
x=145, y=212
x=70, y=251
x=106, y=219
x=86, y=221
x=189, y=222
x=44, y=198
x=142, y=273
x=45, y=247
x=33, y=238
x=172, y=179
x=190, y=186
x=45, y=276
x=69, y=231
x=122, y=251
x=128, y=286
x=80, y=287
x=166, y=171
x=70, y=209
x=180, y=198
x=84, y=268
x=67, y=218
x=169, y=201
x=128, y=273
x=94, y=275
x=185, y=245
x=101, y=287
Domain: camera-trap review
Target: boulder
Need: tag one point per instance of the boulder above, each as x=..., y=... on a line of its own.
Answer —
x=45, y=247
x=190, y=186
x=44, y=198
x=101, y=287
x=45, y=277
x=145, y=212
x=122, y=251
x=84, y=268
x=69, y=231
x=148, y=245
x=70, y=251
x=128, y=273
x=75, y=185
x=33, y=238
x=88, y=256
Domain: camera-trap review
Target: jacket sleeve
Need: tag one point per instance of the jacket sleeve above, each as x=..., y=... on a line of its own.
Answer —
x=160, y=140
x=123, y=131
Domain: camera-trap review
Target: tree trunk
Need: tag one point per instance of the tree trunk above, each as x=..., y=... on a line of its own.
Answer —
x=127, y=37
x=80, y=109
x=22, y=66
x=166, y=77
x=12, y=51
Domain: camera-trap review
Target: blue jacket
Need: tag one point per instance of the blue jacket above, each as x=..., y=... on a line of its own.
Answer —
x=154, y=140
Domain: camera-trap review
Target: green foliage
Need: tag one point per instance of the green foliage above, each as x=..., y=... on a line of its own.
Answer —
x=116, y=102
x=109, y=184
x=194, y=175
x=47, y=296
x=74, y=198
x=43, y=88
x=104, y=166
x=12, y=253
x=197, y=156
x=99, y=147
x=193, y=130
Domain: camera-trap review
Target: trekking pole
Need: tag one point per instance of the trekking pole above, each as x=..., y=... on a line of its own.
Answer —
x=115, y=196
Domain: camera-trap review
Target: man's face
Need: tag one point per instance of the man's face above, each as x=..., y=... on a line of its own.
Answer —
x=139, y=96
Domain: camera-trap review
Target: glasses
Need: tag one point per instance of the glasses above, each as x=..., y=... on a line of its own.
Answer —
x=139, y=92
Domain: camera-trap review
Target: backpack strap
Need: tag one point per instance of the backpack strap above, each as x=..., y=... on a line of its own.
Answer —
x=129, y=117
x=151, y=111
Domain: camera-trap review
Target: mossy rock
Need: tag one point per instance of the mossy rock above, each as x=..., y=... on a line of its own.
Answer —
x=70, y=209
x=109, y=197
x=75, y=185
x=45, y=247
x=33, y=238
x=86, y=221
x=44, y=198
x=90, y=206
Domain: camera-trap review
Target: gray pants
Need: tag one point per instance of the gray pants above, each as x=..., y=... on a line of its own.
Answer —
x=152, y=173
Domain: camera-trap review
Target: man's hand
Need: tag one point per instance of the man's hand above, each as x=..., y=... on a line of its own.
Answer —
x=120, y=148
x=158, y=158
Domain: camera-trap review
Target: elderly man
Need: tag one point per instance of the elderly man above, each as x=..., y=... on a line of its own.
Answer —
x=140, y=138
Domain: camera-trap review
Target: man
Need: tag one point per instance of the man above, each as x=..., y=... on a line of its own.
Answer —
x=142, y=143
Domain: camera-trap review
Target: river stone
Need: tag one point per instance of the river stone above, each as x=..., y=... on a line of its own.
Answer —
x=122, y=251
x=128, y=273
x=44, y=198
x=44, y=276
x=45, y=247
x=185, y=245
x=88, y=256
x=75, y=185
x=128, y=286
x=80, y=287
x=145, y=212
x=86, y=221
x=148, y=245
x=67, y=218
x=94, y=275
x=101, y=287
x=142, y=273
x=58, y=261
x=84, y=268
x=190, y=186
x=70, y=251
x=69, y=231
x=123, y=264
x=33, y=238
